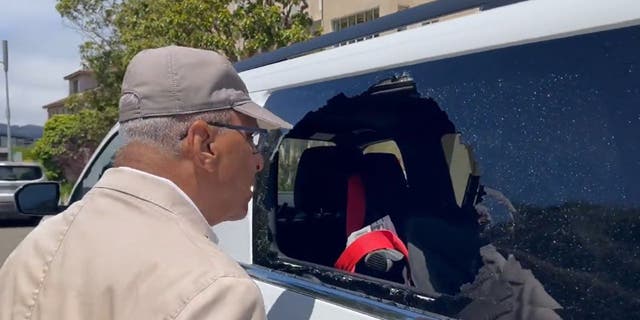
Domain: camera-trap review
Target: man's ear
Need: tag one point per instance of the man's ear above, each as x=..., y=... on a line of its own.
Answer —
x=200, y=145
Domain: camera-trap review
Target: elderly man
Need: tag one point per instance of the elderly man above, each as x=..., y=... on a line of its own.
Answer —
x=139, y=244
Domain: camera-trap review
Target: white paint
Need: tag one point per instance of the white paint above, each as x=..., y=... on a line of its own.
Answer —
x=286, y=304
x=235, y=237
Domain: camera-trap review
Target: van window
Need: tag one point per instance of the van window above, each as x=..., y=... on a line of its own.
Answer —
x=522, y=159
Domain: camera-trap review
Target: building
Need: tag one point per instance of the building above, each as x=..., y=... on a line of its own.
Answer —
x=79, y=81
x=335, y=15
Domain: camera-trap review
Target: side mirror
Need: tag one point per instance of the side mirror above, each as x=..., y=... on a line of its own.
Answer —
x=40, y=198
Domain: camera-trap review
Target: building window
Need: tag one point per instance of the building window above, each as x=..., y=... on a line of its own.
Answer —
x=357, y=18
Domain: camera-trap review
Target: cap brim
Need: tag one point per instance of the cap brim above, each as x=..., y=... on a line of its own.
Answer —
x=266, y=119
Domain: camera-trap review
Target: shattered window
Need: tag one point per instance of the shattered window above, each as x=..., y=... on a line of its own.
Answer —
x=521, y=187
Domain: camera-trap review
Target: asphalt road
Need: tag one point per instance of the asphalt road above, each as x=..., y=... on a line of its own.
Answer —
x=10, y=236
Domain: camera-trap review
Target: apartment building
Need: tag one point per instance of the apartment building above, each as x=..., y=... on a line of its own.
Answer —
x=335, y=15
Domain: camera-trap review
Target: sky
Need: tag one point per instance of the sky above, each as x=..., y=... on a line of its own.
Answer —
x=42, y=50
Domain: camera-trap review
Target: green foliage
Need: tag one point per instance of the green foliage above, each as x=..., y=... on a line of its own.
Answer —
x=27, y=152
x=116, y=30
x=238, y=29
x=65, y=191
x=69, y=140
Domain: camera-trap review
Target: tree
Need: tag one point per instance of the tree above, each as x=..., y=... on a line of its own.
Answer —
x=69, y=140
x=239, y=29
x=115, y=30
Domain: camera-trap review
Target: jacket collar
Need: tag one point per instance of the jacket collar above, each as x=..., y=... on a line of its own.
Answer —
x=159, y=191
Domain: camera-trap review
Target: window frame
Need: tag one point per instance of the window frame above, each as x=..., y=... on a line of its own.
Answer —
x=105, y=145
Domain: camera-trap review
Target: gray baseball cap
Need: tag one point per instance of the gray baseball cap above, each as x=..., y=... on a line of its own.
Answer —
x=179, y=80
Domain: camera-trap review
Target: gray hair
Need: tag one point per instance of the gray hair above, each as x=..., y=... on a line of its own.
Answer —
x=164, y=132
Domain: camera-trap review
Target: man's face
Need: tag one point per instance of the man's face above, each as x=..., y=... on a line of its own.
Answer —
x=234, y=169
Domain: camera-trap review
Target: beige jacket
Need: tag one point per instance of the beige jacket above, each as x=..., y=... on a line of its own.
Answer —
x=134, y=247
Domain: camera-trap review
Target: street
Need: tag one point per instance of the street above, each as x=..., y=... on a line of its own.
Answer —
x=10, y=236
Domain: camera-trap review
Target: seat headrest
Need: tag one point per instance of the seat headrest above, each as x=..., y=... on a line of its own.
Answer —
x=384, y=182
x=322, y=177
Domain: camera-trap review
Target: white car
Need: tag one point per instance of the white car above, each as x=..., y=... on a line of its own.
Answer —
x=500, y=148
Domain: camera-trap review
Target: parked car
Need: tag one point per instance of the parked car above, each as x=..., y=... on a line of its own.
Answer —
x=13, y=175
x=502, y=146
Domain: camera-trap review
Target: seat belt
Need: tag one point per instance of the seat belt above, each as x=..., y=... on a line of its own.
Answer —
x=367, y=243
x=356, y=206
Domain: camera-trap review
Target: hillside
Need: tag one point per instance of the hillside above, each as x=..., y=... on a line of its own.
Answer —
x=27, y=131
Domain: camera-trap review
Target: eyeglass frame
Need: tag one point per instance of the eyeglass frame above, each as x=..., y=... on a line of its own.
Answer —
x=252, y=131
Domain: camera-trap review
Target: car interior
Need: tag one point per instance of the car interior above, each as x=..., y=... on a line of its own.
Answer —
x=344, y=180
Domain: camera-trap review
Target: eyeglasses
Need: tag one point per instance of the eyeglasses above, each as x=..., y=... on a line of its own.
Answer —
x=252, y=135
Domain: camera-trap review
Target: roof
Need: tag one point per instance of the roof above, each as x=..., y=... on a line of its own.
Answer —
x=78, y=73
x=57, y=103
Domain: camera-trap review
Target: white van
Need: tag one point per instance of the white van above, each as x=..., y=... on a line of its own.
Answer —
x=503, y=147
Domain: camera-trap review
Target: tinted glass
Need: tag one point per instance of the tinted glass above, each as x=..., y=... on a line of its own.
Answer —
x=14, y=173
x=39, y=199
x=554, y=127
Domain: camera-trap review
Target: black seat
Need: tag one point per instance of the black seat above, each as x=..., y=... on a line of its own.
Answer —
x=320, y=197
x=385, y=185
x=442, y=252
x=385, y=189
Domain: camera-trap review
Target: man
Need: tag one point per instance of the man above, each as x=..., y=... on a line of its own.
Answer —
x=139, y=244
